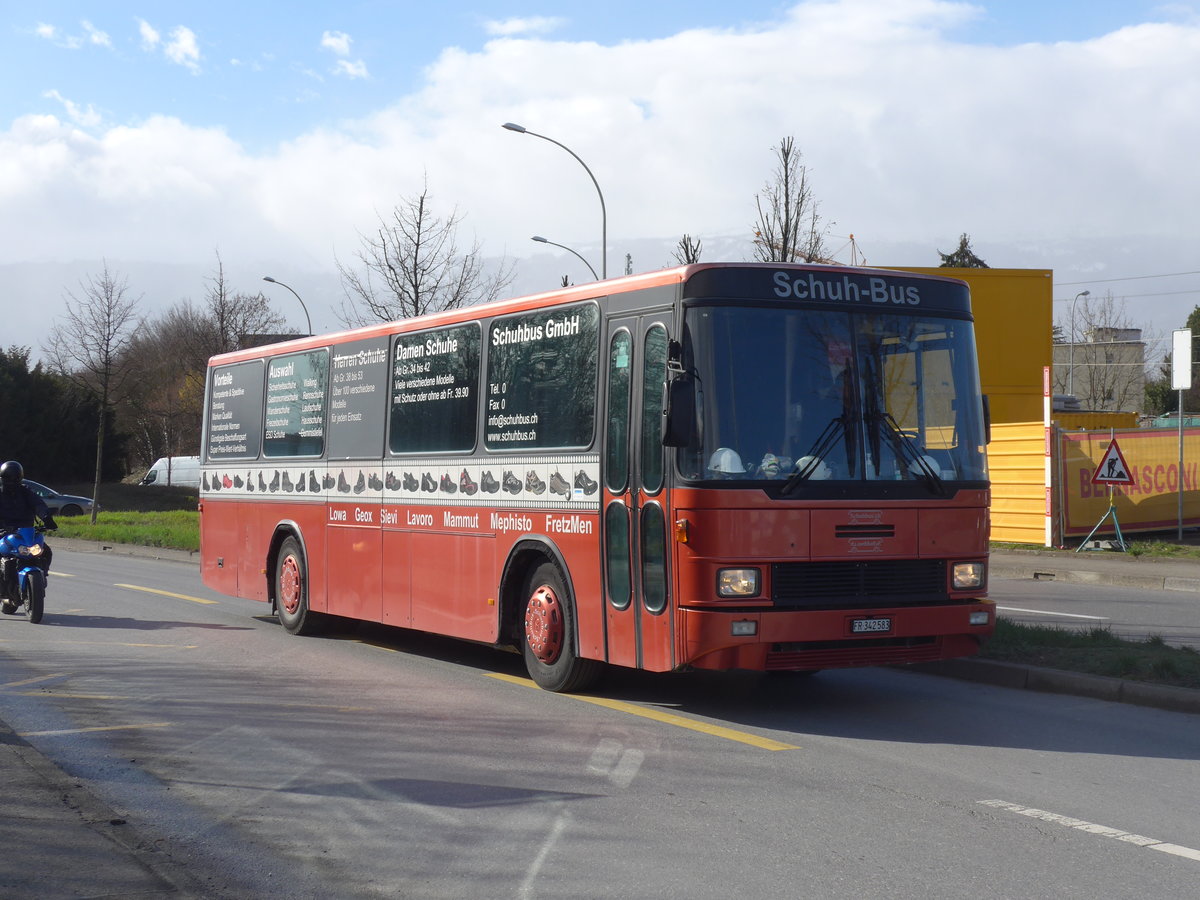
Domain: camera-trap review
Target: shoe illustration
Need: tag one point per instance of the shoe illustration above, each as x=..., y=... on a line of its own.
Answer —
x=374, y=483
x=262, y=484
x=300, y=482
x=287, y=482
x=342, y=484
x=427, y=483
x=533, y=484
x=226, y=482
x=312, y=481
x=361, y=484
x=216, y=483
x=250, y=481
x=447, y=485
x=511, y=483
x=584, y=483
x=237, y=481
x=558, y=485
x=204, y=481
x=274, y=485
x=391, y=481
x=327, y=481
x=489, y=483
x=468, y=486
x=410, y=482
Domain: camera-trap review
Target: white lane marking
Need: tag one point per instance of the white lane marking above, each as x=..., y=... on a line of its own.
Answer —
x=1042, y=612
x=535, y=868
x=1092, y=828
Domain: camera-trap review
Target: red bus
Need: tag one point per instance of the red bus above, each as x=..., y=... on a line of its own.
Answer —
x=720, y=466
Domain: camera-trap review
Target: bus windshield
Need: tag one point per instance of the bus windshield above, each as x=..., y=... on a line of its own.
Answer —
x=806, y=396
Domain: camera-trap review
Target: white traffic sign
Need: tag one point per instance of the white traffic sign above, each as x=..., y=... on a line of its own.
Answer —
x=1112, y=468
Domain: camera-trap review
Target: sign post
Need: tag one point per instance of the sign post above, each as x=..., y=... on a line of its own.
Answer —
x=1112, y=470
x=1181, y=380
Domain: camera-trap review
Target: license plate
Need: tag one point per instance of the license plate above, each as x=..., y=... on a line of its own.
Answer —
x=870, y=626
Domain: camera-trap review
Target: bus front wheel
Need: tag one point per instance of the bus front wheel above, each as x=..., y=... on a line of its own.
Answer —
x=548, y=637
x=291, y=591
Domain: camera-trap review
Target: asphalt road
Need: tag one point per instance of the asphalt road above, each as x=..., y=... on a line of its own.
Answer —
x=381, y=763
x=1133, y=613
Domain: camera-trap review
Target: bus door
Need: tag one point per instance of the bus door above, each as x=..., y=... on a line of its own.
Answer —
x=639, y=614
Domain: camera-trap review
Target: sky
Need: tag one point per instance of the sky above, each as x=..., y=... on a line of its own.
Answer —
x=153, y=138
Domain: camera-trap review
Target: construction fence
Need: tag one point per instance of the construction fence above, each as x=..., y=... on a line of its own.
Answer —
x=1043, y=492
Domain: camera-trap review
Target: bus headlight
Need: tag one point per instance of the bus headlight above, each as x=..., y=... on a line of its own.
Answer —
x=968, y=575
x=738, y=582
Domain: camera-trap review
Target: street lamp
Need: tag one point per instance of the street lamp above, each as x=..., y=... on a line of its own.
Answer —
x=1071, y=352
x=294, y=294
x=521, y=129
x=542, y=240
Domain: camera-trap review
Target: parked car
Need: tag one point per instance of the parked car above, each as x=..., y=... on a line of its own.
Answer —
x=181, y=471
x=60, y=504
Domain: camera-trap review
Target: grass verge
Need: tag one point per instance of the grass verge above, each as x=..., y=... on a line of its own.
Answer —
x=1095, y=651
x=177, y=529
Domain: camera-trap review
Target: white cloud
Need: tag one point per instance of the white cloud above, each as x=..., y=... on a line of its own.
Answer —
x=1073, y=155
x=523, y=26
x=85, y=117
x=47, y=32
x=149, y=34
x=96, y=36
x=355, y=69
x=182, y=48
x=337, y=41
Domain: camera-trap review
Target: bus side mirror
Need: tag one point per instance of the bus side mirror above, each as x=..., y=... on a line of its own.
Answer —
x=987, y=420
x=679, y=414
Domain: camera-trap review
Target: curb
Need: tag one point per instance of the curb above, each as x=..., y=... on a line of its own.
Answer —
x=79, y=545
x=1056, y=681
x=1150, y=582
x=97, y=817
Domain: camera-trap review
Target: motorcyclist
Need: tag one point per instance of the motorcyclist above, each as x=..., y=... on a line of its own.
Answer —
x=20, y=506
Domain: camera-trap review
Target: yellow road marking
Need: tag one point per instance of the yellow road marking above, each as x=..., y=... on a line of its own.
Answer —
x=97, y=728
x=34, y=680
x=134, y=587
x=58, y=574
x=666, y=718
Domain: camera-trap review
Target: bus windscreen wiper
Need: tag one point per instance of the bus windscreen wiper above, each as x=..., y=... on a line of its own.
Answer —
x=825, y=442
x=882, y=423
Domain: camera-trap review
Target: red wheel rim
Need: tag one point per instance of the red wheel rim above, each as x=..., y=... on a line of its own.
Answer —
x=289, y=585
x=544, y=628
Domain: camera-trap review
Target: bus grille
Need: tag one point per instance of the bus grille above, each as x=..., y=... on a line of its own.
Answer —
x=844, y=654
x=862, y=583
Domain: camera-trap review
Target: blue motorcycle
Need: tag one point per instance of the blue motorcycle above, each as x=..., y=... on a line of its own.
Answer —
x=23, y=562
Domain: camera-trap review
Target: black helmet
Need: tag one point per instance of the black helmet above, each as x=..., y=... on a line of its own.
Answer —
x=11, y=472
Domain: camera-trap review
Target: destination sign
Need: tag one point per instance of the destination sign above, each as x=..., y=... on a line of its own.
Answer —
x=862, y=289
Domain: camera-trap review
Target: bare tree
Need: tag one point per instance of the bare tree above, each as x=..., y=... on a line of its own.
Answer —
x=687, y=251
x=789, y=222
x=412, y=264
x=1103, y=357
x=170, y=355
x=89, y=348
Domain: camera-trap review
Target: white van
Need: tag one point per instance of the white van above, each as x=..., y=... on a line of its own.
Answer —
x=184, y=471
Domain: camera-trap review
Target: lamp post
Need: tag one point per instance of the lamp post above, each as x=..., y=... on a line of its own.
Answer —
x=1071, y=351
x=294, y=294
x=542, y=240
x=521, y=129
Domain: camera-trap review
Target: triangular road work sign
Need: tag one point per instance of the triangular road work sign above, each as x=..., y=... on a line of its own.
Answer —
x=1112, y=469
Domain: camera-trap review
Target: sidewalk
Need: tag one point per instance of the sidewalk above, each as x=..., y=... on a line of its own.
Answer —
x=60, y=841
x=1098, y=567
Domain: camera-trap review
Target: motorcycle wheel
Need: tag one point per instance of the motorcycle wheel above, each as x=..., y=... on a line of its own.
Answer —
x=34, y=595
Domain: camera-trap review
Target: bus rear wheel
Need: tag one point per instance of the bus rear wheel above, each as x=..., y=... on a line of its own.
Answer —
x=291, y=591
x=548, y=637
